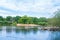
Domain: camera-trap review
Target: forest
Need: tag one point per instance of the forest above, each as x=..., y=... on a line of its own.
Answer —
x=53, y=21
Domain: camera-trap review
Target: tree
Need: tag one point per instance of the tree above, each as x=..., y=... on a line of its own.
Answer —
x=34, y=20
x=42, y=21
x=15, y=19
x=8, y=18
x=25, y=20
x=1, y=18
x=57, y=18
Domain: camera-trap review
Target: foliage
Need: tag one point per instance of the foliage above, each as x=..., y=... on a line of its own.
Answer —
x=55, y=20
x=42, y=21
x=25, y=20
x=8, y=18
x=15, y=19
x=14, y=23
x=35, y=20
x=1, y=18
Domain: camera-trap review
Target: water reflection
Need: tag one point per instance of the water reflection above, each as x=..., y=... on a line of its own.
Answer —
x=55, y=35
x=25, y=31
x=0, y=29
x=8, y=29
x=17, y=33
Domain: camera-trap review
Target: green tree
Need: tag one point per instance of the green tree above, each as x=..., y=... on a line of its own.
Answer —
x=1, y=18
x=34, y=20
x=15, y=19
x=8, y=18
x=57, y=18
x=42, y=21
x=25, y=20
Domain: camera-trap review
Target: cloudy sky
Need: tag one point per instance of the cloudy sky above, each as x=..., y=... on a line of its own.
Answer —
x=34, y=8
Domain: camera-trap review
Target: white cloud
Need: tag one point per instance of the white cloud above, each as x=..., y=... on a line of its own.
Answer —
x=36, y=6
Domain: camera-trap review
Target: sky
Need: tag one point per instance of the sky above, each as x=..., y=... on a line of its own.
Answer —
x=33, y=8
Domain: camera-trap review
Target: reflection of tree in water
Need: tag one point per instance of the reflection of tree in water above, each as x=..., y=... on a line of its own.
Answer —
x=55, y=35
x=35, y=30
x=0, y=28
x=25, y=31
x=21, y=30
x=17, y=30
x=8, y=29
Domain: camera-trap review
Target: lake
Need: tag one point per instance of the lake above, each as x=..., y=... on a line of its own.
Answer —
x=21, y=33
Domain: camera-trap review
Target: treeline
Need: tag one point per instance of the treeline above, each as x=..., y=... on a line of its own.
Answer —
x=54, y=21
x=23, y=20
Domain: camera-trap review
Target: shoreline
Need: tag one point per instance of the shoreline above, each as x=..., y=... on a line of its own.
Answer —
x=27, y=25
x=39, y=27
x=50, y=28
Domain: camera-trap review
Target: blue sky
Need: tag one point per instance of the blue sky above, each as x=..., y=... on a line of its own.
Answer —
x=34, y=8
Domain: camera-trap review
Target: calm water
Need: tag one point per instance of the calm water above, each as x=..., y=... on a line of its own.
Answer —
x=13, y=33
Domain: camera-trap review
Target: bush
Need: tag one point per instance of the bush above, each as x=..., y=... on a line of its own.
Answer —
x=42, y=23
x=14, y=23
